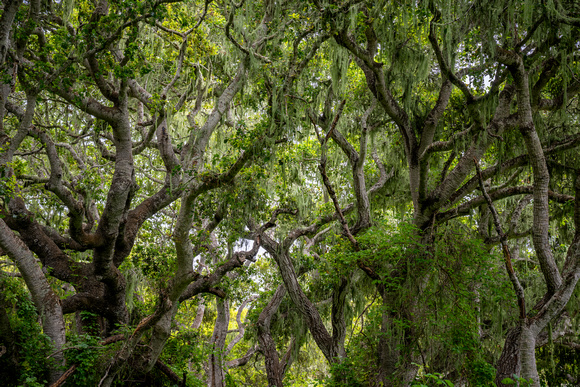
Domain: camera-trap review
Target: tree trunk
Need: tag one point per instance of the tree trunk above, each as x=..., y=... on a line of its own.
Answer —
x=271, y=360
x=306, y=308
x=529, y=371
x=216, y=377
x=199, y=314
x=509, y=364
x=46, y=301
x=388, y=353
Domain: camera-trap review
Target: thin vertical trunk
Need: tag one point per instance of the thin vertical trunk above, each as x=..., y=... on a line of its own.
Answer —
x=216, y=377
x=388, y=351
x=199, y=314
x=337, y=317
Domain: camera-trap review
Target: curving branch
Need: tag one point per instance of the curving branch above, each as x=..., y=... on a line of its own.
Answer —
x=241, y=326
x=205, y=283
x=442, y=146
x=445, y=69
x=242, y=361
x=274, y=370
x=55, y=185
x=246, y=51
x=540, y=172
x=465, y=208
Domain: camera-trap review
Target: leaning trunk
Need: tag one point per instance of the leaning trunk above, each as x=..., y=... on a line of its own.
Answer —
x=274, y=370
x=46, y=301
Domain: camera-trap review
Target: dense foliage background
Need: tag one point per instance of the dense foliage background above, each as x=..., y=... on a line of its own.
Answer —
x=299, y=193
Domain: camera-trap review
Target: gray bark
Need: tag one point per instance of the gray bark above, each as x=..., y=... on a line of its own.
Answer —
x=388, y=349
x=509, y=363
x=46, y=301
x=216, y=361
x=541, y=178
x=199, y=315
x=529, y=370
x=241, y=327
x=7, y=69
x=306, y=308
x=559, y=287
x=274, y=371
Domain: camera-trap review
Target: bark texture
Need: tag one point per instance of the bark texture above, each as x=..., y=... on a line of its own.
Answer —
x=274, y=369
x=47, y=303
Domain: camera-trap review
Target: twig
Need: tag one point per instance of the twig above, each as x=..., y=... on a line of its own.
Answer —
x=360, y=315
x=505, y=248
x=326, y=180
x=64, y=376
x=71, y=370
